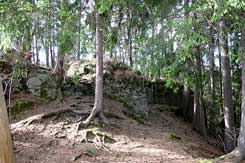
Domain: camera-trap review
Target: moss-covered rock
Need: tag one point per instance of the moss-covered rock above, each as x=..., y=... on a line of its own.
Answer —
x=120, y=83
x=21, y=106
x=43, y=85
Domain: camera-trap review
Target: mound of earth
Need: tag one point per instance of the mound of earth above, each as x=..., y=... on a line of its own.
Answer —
x=55, y=138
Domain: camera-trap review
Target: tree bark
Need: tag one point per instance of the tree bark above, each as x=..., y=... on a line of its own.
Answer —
x=227, y=84
x=238, y=154
x=52, y=45
x=186, y=90
x=241, y=138
x=47, y=55
x=52, y=56
x=185, y=102
x=212, y=84
x=36, y=43
x=6, y=146
x=220, y=81
x=129, y=15
x=59, y=74
x=79, y=32
x=98, y=109
x=199, y=114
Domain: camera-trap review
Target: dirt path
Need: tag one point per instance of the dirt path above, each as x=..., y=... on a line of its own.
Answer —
x=163, y=138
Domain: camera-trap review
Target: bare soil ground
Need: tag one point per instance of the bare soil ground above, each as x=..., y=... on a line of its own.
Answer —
x=163, y=138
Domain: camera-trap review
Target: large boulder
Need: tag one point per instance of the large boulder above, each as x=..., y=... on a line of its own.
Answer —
x=43, y=85
x=131, y=95
x=82, y=67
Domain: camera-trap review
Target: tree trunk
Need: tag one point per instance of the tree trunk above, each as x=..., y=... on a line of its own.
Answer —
x=98, y=109
x=111, y=52
x=199, y=114
x=52, y=56
x=79, y=32
x=130, y=36
x=130, y=50
x=227, y=83
x=241, y=138
x=47, y=55
x=37, y=51
x=6, y=146
x=185, y=102
x=36, y=43
x=186, y=90
x=59, y=74
x=238, y=154
x=212, y=84
x=220, y=81
x=52, y=49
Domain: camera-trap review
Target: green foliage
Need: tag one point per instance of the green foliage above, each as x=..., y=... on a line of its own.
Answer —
x=206, y=161
x=76, y=78
x=92, y=152
x=105, y=5
x=164, y=34
x=173, y=136
x=21, y=106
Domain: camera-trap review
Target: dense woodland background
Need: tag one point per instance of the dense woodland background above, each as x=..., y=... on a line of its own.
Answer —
x=196, y=47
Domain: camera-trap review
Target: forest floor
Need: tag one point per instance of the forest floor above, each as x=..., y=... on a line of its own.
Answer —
x=163, y=138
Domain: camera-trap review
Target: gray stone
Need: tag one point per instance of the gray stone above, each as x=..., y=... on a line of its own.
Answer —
x=122, y=87
x=43, y=85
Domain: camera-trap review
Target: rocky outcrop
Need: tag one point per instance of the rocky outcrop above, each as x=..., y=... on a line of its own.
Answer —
x=126, y=86
x=42, y=85
x=120, y=84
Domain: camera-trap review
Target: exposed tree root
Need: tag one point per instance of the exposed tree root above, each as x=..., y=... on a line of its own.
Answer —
x=96, y=137
x=56, y=115
x=233, y=157
x=95, y=113
x=39, y=118
x=59, y=97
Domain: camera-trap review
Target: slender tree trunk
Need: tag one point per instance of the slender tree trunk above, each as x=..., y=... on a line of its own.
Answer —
x=36, y=43
x=227, y=83
x=186, y=90
x=79, y=32
x=37, y=50
x=111, y=51
x=98, y=109
x=241, y=138
x=212, y=84
x=120, y=17
x=151, y=73
x=119, y=48
x=221, y=81
x=199, y=114
x=59, y=74
x=130, y=37
x=37, y=57
x=52, y=56
x=6, y=145
x=185, y=102
x=47, y=55
x=33, y=56
x=130, y=50
x=52, y=48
